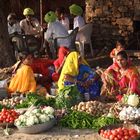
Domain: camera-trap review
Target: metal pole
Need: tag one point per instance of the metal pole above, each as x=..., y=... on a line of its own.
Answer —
x=41, y=12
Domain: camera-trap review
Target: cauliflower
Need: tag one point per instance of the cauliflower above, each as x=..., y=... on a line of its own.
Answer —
x=35, y=111
x=48, y=110
x=44, y=118
x=32, y=120
x=50, y=116
x=21, y=121
x=133, y=100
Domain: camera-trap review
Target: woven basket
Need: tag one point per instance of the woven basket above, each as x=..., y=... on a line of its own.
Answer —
x=38, y=128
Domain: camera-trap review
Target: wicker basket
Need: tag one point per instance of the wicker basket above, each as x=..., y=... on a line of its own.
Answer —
x=38, y=128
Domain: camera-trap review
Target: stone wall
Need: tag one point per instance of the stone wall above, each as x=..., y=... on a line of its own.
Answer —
x=111, y=19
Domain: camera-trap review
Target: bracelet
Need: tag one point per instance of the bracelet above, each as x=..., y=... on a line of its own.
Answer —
x=75, y=82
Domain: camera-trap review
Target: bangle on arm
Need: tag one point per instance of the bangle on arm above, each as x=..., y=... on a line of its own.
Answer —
x=75, y=81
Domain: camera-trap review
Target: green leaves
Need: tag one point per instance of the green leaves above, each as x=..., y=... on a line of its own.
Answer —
x=76, y=120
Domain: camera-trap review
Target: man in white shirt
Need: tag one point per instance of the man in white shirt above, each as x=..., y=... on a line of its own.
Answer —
x=13, y=24
x=77, y=11
x=14, y=31
x=61, y=15
x=30, y=25
x=56, y=29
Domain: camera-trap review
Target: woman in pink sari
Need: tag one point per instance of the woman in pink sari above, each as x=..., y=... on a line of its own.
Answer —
x=121, y=77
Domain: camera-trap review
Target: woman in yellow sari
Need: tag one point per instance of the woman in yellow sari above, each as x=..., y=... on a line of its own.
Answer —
x=77, y=71
x=23, y=79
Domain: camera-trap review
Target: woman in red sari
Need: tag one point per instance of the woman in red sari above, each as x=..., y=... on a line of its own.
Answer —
x=121, y=77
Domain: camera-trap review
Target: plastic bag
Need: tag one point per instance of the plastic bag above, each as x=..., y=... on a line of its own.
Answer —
x=3, y=83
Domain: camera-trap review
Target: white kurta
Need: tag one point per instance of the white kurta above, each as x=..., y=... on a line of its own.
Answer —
x=14, y=28
x=56, y=29
x=78, y=22
x=65, y=22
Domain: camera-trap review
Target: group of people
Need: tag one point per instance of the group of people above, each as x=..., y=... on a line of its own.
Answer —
x=70, y=67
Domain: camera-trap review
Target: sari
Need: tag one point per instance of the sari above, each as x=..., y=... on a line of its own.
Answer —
x=23, y=80
x=80, y=72
x=117, y=82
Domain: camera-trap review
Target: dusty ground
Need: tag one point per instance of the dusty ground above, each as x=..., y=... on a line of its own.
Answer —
x=57, y=133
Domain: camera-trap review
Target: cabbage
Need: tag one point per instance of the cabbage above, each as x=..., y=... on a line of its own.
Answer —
x=133, y=100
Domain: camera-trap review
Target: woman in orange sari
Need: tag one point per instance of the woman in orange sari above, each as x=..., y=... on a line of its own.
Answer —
x=121, y=77
x=23, y=79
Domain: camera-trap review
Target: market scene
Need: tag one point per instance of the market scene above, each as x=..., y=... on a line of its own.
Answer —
x=70, y=70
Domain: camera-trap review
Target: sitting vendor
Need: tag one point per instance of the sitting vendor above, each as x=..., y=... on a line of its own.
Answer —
x=77, y=71
x=23, y=79
x=121, y=77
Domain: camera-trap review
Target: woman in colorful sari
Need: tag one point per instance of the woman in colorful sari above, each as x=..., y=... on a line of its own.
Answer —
x=121, y=77
x=77, y=71
x=23, y=79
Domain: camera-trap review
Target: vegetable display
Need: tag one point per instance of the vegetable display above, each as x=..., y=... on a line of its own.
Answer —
x=67, y=97
x=76, y=119
x=35, y=116
x=119, y=134
x=129, y=113
x=8, y=116
x=36, y=100
x=94, y=108
x=131, y=100
x=12, y=102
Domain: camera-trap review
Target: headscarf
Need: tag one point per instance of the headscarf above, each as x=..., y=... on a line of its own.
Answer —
x=28, y=11
x=76, y=10
x=50, y=17
x=70, y=67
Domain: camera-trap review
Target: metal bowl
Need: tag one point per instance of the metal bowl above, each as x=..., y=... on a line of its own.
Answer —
x=38, y=128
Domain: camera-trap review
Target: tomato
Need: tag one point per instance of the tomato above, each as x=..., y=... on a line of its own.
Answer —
x=126, y=137
x=111, y=137
x=133, y=136
x=119, y=136
x=7, y=120
x=102, y=131
x=114, y=132
x=115, y=138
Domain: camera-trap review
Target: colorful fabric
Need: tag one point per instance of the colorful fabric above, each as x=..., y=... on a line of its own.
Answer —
x=41, y=65
x=81, y=73
x=23, y=81
x=75, y=10
x=86, y=74
x=62, y=53
x=50, y=17
x=123, y=82
x=70, y=67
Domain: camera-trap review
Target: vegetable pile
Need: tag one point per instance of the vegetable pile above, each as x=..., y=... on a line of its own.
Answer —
x=76, y=120
x=12, y=102
x=94, y=108
x=35, y=116
x=129, y=113
x=36, y=100
x=119, y=134
x=67, y=97
x=8, y=116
